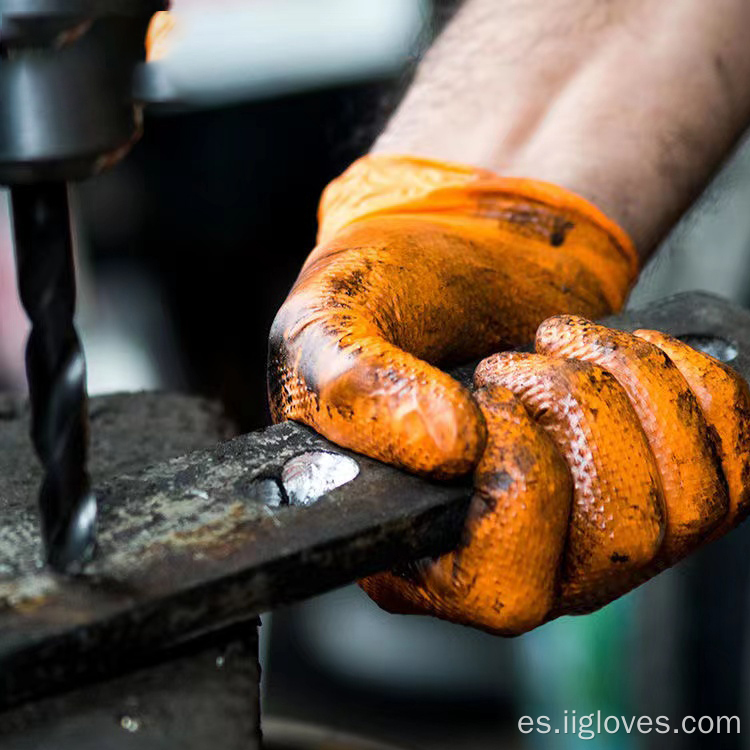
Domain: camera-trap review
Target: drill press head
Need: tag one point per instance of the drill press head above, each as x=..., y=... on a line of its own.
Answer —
x=66, y=112
x=66, y=76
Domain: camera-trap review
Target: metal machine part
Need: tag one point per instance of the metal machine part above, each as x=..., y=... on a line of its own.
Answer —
x=194, y=545
x=72, y=81
x=205, y=695
x=66, y=77
x=56, y=372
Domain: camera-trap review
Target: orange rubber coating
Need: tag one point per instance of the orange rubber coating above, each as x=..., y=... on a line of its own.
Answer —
x=725, y=401
x=423, y=264
x=685, y=449
x=618, y=519
x=160, y=29
x=504, y=578
x=615, y=407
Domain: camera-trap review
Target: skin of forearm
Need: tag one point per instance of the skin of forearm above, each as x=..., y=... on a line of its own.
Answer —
x=632, y=104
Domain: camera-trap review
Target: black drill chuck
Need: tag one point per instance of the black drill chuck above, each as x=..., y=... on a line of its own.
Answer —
x=56, y=371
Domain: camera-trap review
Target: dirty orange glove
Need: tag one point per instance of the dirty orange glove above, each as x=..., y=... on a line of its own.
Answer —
x=423, y=264
x=610, y=456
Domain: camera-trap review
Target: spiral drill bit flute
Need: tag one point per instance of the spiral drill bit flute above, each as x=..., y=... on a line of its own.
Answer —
x=66, y=113
x=56, y=371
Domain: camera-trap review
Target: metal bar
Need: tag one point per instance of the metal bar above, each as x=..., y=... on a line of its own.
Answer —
x=202, y=541
x=196, y=543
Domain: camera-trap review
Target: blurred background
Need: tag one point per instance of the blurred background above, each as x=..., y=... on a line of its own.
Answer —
x=185, y=251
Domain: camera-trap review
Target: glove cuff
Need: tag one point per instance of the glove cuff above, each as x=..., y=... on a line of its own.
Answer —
x=394, y=185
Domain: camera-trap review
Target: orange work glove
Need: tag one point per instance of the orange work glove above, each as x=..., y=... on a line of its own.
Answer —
x=610, y=456
x=604, y=458
x=423, y=264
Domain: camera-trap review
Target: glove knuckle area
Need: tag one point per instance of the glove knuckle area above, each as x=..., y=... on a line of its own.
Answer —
x=683, y=444
x=504, y=578
x=581, y=412
x=446, y=287
x=724, y=399
x=617, y=520
x=332, y=367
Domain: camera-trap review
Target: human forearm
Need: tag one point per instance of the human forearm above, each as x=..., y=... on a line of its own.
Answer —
x=631, y=104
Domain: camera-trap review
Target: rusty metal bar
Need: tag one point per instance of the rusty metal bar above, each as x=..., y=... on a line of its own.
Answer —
x=195, y=544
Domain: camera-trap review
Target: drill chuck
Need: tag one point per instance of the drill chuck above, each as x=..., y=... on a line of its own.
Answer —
x=66, y=78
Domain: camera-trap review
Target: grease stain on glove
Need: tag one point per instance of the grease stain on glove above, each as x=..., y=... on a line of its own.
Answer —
x=422, y=265
x=655, y=437
x=598, y=461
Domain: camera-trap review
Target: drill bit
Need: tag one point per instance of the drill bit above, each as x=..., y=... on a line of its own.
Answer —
x=56, y=372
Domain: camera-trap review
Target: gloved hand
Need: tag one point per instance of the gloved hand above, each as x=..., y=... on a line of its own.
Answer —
x=610, y=456
x=421, y=263
x=592, y=476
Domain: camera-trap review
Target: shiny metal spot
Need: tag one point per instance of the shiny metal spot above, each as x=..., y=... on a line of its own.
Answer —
x=269, y=492
x=714, y=346
x=308, y=477
x=193, y=492
x=129, y=724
